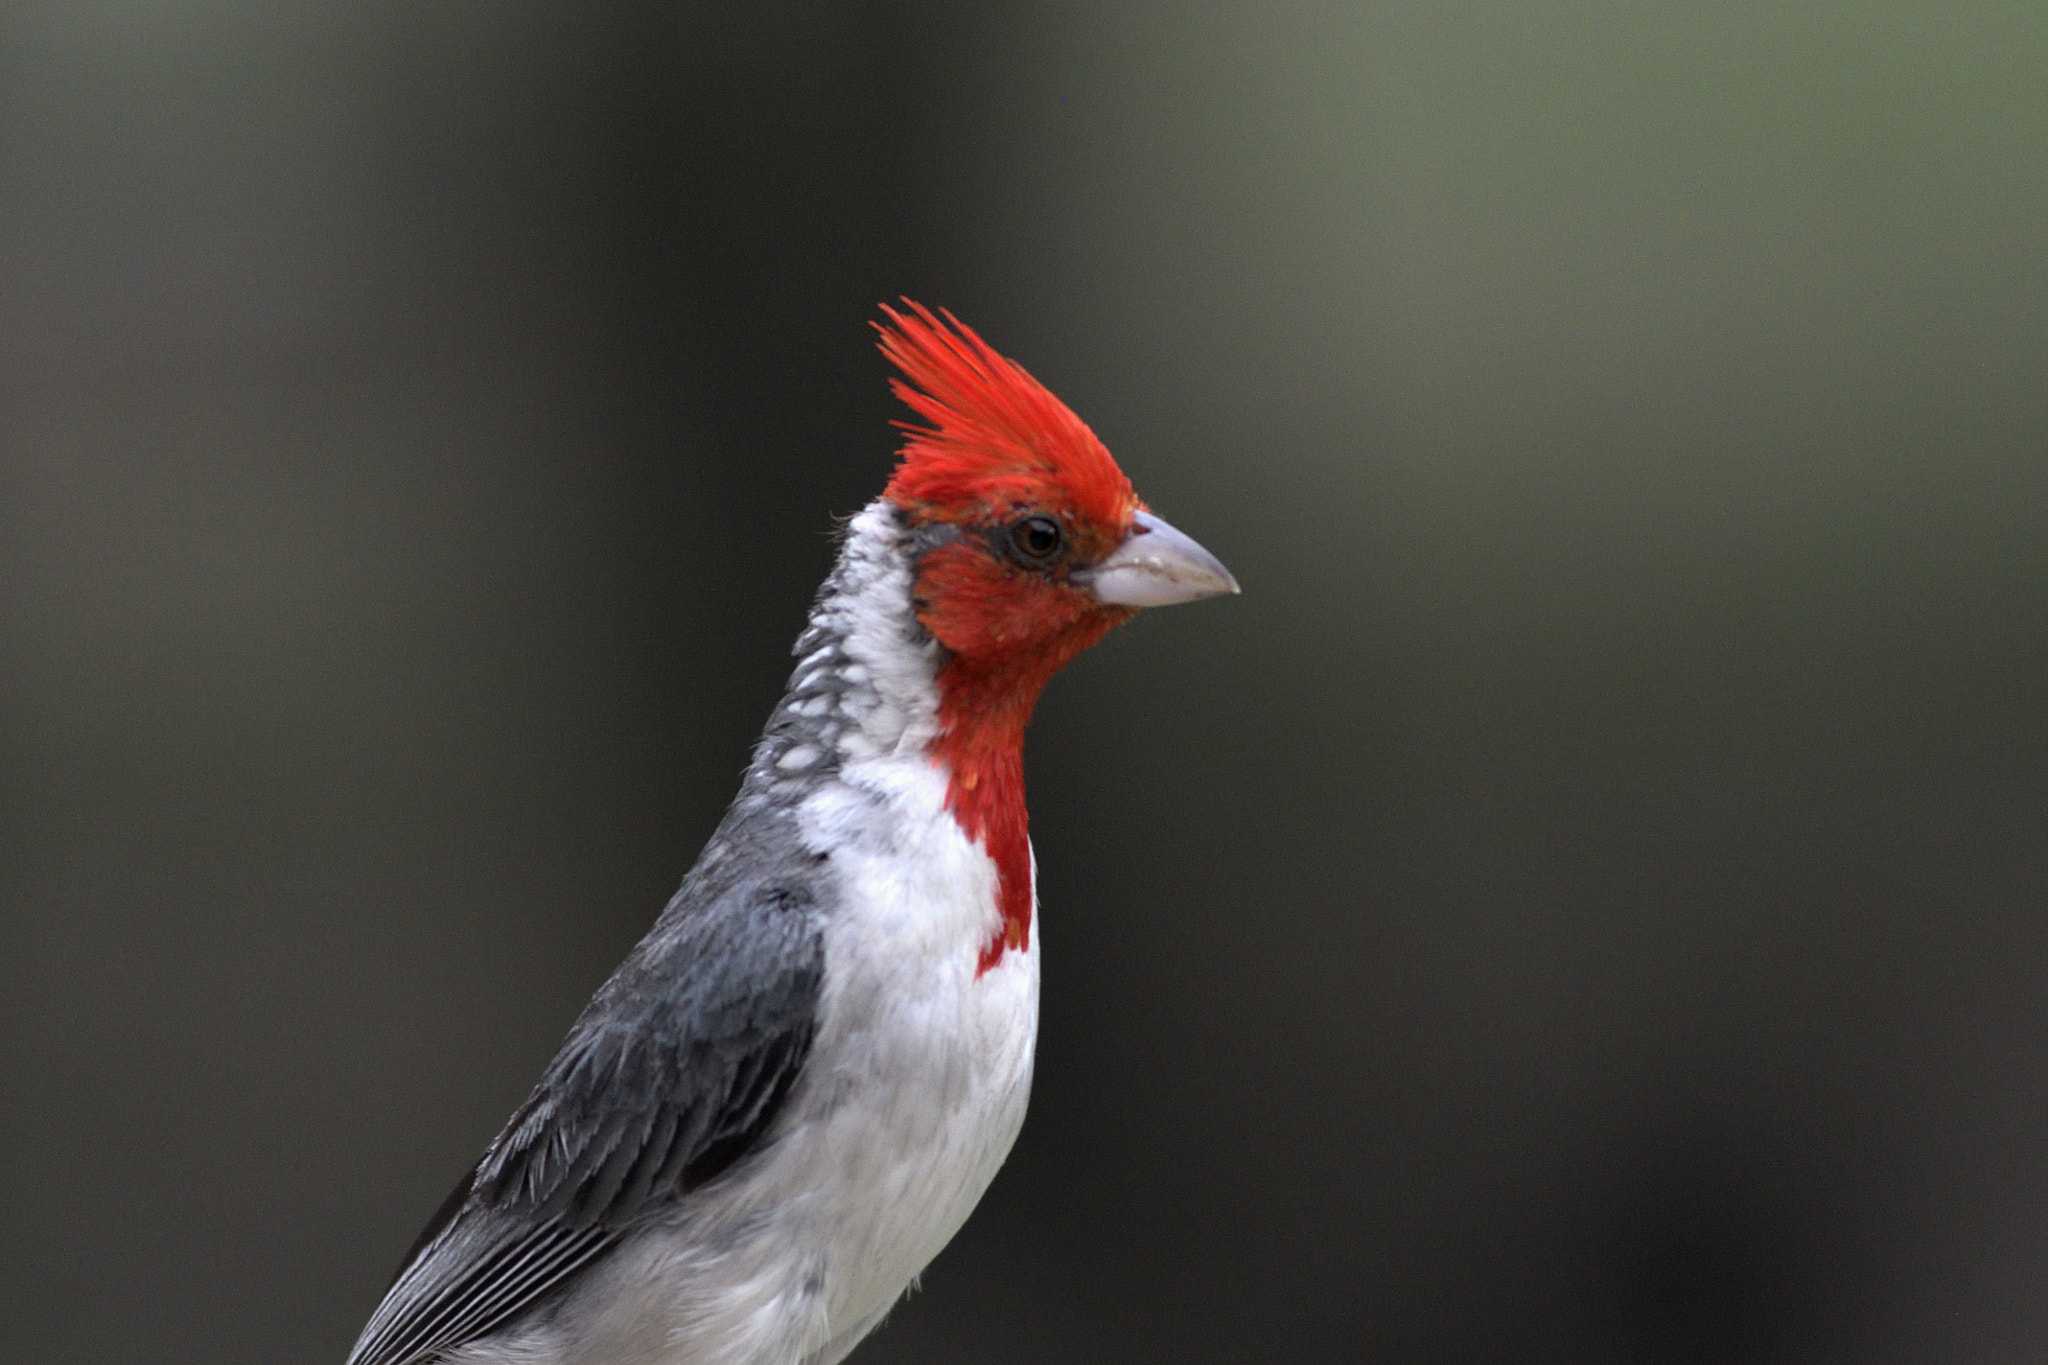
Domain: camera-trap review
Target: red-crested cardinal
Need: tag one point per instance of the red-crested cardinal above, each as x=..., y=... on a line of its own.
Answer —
x=793, y=1091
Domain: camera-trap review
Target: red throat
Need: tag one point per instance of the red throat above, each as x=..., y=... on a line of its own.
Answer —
x=982, y=714
x=985, y=791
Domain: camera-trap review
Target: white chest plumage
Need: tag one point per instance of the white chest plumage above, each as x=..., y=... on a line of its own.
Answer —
x=923, y=1064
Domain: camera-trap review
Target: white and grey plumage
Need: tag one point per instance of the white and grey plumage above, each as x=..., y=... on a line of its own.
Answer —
x=794, y=1090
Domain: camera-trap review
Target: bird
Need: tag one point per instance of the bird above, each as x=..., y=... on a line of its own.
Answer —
x=794, y=1090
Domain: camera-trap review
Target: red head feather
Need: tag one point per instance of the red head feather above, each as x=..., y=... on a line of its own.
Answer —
x=999, y=440
x=998, y=446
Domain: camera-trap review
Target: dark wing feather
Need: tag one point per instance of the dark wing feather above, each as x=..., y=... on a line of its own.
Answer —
x=674, y=1072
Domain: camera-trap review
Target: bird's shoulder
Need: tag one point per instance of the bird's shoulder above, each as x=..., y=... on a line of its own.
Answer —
x=686, y=1049
x=674, y=1072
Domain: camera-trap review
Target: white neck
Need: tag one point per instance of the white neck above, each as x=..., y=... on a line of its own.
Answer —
x=864, y=687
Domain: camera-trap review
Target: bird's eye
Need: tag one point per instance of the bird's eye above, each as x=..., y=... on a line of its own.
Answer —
x=1037, y=538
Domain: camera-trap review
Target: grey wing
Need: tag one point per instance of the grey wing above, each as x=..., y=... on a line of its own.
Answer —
x=674, y=1072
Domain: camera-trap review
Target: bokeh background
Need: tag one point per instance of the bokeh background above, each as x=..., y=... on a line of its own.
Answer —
x=1587, y=900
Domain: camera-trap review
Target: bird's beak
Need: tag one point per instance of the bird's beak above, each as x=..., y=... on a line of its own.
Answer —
x=1156, y=566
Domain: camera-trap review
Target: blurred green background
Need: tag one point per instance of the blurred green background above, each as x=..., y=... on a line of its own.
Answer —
x=1584, y=902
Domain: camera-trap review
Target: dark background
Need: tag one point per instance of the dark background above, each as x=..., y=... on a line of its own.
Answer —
x=1584, y=902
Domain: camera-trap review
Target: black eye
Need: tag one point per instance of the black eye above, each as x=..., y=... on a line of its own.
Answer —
x=1037, y=538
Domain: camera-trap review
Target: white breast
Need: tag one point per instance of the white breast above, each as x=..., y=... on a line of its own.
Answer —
x=922, y=1068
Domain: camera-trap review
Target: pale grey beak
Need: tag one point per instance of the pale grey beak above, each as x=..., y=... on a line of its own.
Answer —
x=1156, y=566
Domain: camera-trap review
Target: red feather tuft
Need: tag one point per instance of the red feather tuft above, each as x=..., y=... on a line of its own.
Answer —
x=998, y=438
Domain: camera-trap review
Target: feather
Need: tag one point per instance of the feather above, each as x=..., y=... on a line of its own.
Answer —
x=998, y=438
